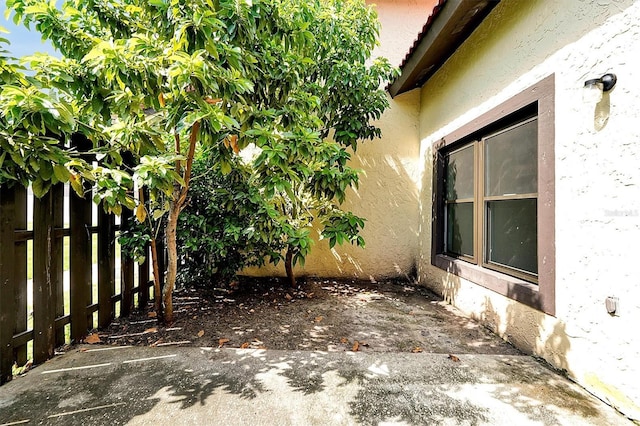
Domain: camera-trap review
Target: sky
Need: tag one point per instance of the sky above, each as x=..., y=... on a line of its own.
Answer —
x=23, y=41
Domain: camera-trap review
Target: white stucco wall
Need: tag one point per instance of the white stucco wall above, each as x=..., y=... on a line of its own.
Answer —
x=388, y=192
x=597, y=166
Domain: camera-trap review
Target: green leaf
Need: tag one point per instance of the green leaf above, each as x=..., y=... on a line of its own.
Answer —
x=157, y=214
x=40, y=187
x=225, y=167
x=61, y=173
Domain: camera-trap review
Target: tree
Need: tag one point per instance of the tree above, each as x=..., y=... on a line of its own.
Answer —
x=156, y=78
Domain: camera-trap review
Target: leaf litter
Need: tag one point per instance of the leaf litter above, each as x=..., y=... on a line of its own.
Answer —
x=328, y=315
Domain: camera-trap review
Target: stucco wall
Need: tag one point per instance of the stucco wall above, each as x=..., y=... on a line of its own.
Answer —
x=597, y=166
x=388, y=193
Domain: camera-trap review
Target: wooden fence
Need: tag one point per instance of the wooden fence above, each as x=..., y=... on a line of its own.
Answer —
x=59, y=302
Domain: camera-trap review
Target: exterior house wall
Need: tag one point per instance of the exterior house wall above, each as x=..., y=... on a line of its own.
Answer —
x=597, y=180
x=388, y=192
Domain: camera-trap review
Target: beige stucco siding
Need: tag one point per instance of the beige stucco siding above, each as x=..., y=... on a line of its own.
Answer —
x=597, y=184
x=388, y=192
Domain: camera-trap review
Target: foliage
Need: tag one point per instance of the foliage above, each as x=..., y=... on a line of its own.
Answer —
x=225, y=225
x=32, y=128
x=134, y=239
x=156, y=78
x=314, y=122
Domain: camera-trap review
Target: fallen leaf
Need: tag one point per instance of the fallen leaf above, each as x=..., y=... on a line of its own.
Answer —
x=18, y=371
x=200, y=333
x=221, y=342
x=152, y=314
x=344, y=340
x=288, y=296
x=151, y=330
x=416, y=350
x=319, y=318
x=92, y=339
x=453, y=358
x=245, y=345
x=356, y=346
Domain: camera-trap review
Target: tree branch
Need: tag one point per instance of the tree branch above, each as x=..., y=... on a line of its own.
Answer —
x=176, y=136
x=193, y=138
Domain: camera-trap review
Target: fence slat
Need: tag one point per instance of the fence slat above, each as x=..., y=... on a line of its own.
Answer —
x=126, y=272
x=80, y=265
x=58, y=279
x=20, y=276
x=106, y=267
x=143, y=281
x=162, y=253
x=44, y=273
x=7, y=272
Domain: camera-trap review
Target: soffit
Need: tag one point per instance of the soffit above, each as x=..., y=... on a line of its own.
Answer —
x=448, y=26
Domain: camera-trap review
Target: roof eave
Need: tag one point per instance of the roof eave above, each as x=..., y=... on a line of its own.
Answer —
x=448, y=27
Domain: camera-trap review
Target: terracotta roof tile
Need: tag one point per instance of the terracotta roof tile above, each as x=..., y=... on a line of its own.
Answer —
x=436, y=9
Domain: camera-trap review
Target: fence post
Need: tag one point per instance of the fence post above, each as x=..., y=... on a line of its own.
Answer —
x=126, y=262
x=143, y=272
x=106, y=266
x=20, y=276
x=7, y=263
x=44, y=290
x=80, y=263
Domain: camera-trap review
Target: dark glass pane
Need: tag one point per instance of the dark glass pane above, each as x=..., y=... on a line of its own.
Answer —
x=459, y=174
x=460, y=228
x=511, y=161
x=513, y=234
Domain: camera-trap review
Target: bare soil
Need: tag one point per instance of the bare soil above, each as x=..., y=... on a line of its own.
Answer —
x=325, y=315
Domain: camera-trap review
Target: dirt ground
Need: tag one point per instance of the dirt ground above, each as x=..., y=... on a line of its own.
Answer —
x=325, y=315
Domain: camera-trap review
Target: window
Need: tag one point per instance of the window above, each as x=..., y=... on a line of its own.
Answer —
x=491, y=192
x=491, y=225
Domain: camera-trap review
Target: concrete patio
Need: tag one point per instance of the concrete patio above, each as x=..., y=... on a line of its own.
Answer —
x=113, y=385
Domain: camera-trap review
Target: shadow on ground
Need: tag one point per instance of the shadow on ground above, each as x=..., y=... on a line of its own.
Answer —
x=462, y=375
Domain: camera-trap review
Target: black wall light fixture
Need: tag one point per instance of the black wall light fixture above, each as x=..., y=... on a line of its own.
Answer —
x=594, y=88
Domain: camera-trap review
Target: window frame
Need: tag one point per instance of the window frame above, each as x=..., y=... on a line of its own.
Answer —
x=483, y=228
x=541, y=98
x=473, y=200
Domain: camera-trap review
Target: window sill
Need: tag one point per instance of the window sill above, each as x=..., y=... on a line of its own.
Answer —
x=508, y=286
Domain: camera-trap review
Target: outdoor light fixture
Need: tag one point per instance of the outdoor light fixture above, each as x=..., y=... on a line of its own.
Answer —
x=594, y=88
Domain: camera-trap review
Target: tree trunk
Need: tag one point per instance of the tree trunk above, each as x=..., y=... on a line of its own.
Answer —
x=288, y=266
x=157, y=297
x=177, y=202
x=172, y=267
